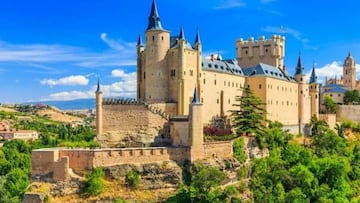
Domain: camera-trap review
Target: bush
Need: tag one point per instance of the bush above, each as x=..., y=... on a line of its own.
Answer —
x=242, y=172
x=94, y=184
x=238, y=149
x=132, y=179
x=214, y=131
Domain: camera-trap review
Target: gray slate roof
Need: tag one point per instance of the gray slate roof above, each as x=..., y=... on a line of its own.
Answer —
x=223, y=66
x=262, y=69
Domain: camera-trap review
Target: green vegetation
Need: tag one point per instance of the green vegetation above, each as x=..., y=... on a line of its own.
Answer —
x=249, y=118
x=352, y=97
x=330, y=105
x=204, y=187
x=15, y=159
x=94, y=183
x=239, y=149
x=327, y=170
x=15, y=155
x=132, y=179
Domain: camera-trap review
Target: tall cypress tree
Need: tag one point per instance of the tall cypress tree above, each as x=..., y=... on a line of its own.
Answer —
x=249, y=118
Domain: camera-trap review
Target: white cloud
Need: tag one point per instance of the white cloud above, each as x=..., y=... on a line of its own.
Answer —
x=331, y=70
x=290, y=31
x=118, y=45
x=69, y=80
x=63, y=96
x=40, y=55
x=126, y=87
x=227, y=4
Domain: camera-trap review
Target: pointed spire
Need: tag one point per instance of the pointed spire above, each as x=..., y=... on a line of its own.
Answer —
x=299, y=67
x=139, y=43
x=182, y=34
x=154, y=18
x=218, y=56
x=197, y=38
x=349, y=54
x=313, y=78
x=195, y=97
x=98, y=86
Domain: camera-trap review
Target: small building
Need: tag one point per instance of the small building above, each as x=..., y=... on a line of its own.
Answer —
x=20, y=134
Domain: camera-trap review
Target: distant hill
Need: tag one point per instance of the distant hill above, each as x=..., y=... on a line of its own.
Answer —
x=77, y=104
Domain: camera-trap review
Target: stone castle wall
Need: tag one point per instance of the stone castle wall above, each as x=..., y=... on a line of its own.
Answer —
x=218, y=149
x=56, y=162
x=348, y=112
x=137, y=124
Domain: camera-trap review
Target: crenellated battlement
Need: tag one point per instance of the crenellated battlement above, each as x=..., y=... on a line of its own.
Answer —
x=269, y=51
x=121, y=101
x=261, y=40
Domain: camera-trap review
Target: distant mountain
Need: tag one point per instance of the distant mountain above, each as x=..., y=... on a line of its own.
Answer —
x=77, y=104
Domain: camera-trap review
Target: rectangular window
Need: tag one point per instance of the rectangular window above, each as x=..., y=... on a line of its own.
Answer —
x=191, y=72
x=214, y=82
x=259, y=86
x=204, y=81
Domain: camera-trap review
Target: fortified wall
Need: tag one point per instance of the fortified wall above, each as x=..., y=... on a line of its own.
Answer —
x=186, y=143
x=58, y=163
x=349, y=112
x=134, y=123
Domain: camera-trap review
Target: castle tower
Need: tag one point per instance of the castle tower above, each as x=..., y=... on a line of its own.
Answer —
x=99, y=117
x=302, y=94
x=198, y=48
x=314, y=93
x=196, y=129
x=181, y=67
x=349, y=72
x=155, y=73
x=270, y=51
x=140, y=84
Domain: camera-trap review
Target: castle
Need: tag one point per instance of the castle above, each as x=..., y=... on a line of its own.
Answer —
x=169, y=67
x=179, y=91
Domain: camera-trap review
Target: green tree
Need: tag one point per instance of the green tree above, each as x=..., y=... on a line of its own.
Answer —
x=16, y=182
x=330, y=105
x=352, y=97
x=249, y=118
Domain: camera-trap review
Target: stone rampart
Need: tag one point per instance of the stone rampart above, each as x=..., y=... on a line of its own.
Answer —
x=221, y=149
x=134, y=125
x=348, y=112
x=55, y=162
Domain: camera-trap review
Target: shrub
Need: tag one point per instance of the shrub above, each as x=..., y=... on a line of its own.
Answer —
x=214, y=131
x=132, y=179
x=94, y=183
x=239, y=150
x=242, y=172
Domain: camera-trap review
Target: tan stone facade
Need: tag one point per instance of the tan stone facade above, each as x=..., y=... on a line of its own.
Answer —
x=269, y=51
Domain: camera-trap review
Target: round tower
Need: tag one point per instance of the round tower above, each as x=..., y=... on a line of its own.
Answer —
x=140, y=69
x=314, y=93
x=99, y=98
x=155, y=74
x=302, y=94
x=349, y=72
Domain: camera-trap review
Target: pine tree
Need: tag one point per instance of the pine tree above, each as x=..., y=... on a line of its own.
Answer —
x=249, y=118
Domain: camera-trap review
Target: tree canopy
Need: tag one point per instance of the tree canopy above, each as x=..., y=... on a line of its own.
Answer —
x=249, y=118
x=352, y=97
x=330, y=105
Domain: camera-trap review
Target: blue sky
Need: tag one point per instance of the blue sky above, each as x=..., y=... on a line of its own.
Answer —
x=56, y=50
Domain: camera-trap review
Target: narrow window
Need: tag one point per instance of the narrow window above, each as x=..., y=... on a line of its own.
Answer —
x=259, y=86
